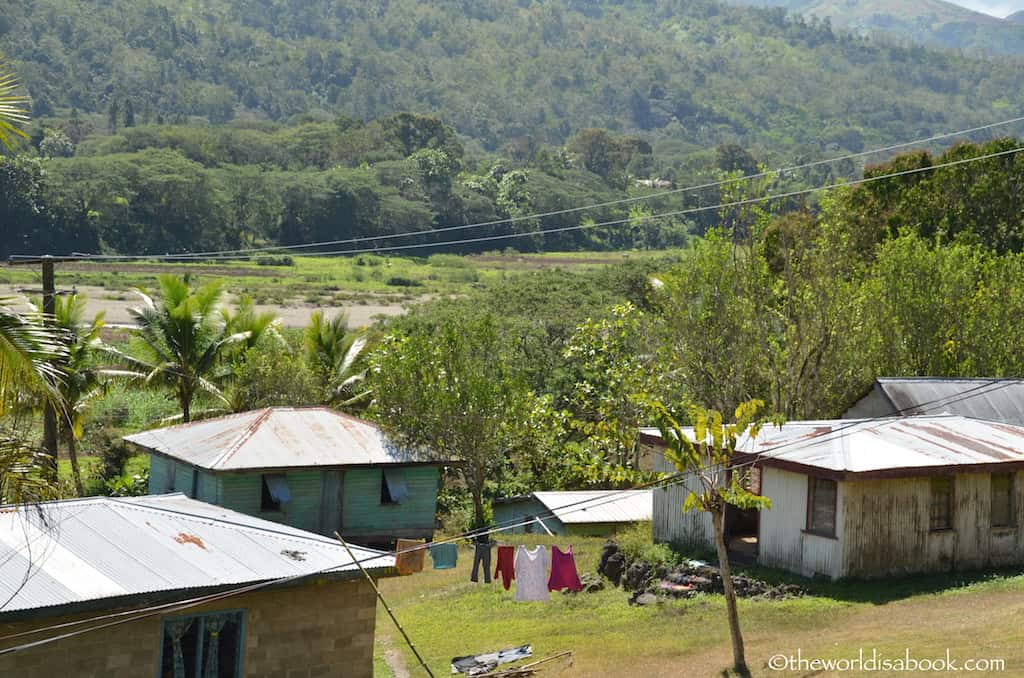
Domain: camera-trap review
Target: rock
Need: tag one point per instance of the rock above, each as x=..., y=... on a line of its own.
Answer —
x=614, y=567
x=591, y=583
x=643, y=598
x=637, y=575
x=609, y=549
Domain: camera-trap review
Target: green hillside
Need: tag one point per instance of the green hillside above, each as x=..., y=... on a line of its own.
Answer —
x=933, y=23
x=685, y=74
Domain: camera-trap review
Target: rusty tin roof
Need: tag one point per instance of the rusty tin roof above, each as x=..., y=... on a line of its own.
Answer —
x=892, y=446
x=82, y=551
x=274, y=438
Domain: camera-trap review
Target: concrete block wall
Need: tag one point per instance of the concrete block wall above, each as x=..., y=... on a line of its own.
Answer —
x=318, y=629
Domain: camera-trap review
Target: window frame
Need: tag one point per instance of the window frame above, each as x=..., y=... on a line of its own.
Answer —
x=1011, y=509
x=386, y=496
x=811, y=492
x=267, y=502
x=950, y=511
x=201, y=617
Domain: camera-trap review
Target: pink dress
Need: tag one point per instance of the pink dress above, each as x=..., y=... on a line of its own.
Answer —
x=563, y=571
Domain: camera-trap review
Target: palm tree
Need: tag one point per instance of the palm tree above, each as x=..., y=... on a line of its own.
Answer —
x=333, y=354
x=12, y=106
x=182, y=340
x=29, y=353
x=82, y=379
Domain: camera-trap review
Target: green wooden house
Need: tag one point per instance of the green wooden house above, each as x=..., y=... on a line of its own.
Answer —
x=312, y=468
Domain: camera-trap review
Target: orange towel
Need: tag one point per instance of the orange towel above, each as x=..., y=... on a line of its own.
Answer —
x=410, y=561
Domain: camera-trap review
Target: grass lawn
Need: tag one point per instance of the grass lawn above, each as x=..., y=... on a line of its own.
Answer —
x=975, y=616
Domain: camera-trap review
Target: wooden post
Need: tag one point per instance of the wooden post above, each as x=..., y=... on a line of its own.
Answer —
x=49, y=410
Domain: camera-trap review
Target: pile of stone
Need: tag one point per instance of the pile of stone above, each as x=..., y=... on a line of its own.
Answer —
x=648, y=581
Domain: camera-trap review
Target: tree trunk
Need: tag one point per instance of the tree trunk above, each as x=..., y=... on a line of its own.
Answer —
x=738, y=658
x=478, y=507
x=76, y=473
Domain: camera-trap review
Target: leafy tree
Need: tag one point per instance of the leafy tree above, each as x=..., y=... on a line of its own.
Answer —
x=269, y=373
x=181, y=341
x=709, y=456
x=452, y=394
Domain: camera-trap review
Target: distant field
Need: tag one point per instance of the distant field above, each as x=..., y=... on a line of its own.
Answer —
x=365, y=286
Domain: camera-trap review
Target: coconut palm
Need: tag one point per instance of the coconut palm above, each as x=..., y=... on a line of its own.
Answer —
x=82, y=378
x=334, y=353
x=29, y=353
x=181, y=341
x=12, y=106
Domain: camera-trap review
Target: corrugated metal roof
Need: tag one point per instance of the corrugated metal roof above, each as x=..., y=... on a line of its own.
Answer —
x=74, y=551
x=879, y=445
x=991, y=399
x=599, y=506
x=275, y=437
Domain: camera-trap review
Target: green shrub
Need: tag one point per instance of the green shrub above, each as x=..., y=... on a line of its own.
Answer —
x=637, y=543
x=402, y=281
x=284, y=260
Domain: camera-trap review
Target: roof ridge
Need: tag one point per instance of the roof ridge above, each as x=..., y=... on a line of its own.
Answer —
x=243, y=437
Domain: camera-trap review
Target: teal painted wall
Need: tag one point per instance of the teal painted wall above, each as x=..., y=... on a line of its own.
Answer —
x=362, y=512
x=315, y=497
x=518, y=511
x=160, y=473
x=242, y=492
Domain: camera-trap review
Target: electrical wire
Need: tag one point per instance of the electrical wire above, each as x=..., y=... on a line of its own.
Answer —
x=235, y=253
x=577, y=227
x=672, y=480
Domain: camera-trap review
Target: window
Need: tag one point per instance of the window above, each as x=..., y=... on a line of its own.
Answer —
x=274, y=492
x=202, y=646
x=392, y=486
x=821, y=506
x=1002, y=500
x=942, y=503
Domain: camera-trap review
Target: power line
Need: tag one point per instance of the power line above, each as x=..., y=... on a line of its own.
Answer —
x=235, y=253
x=615, y=222
x=675, y=479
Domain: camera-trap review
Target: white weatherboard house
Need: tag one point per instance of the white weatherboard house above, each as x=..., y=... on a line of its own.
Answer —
x=873, y=498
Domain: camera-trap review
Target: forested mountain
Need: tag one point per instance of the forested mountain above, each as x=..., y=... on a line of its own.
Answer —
x=687, y=74
x=934, y=23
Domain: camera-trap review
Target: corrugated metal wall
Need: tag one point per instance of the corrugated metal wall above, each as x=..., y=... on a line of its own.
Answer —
x=183, y=478
x=671, y=524
x=780, y=542
x=363, y=514
x=887, y=528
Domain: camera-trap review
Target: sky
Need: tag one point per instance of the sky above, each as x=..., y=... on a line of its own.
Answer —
x=994, y=7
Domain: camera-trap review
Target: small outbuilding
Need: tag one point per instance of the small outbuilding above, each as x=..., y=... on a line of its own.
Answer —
x=595, y=513
x=871, y=498
x=990, y=399
x=312, y=468
x=171, y=587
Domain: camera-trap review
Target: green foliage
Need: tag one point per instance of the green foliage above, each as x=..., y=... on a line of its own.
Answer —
x=135, y=485
x=637, y=543
x=271, y=373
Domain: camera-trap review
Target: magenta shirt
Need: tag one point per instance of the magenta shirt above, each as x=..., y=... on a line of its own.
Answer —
x=563, y=571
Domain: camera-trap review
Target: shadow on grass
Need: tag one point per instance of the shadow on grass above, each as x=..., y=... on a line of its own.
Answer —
x=882, y=591
x=876, y=591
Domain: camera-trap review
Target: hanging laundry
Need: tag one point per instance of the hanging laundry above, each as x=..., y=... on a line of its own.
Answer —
x=409, y=556
x=444, y=555
x=532, y=573
x=563, y=571
x=506, y=565
x=481, y=556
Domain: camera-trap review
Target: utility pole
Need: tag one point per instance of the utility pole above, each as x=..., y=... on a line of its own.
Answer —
x=49, y=411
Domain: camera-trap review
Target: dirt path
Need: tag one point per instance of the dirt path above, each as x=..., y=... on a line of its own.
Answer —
x=393, y=657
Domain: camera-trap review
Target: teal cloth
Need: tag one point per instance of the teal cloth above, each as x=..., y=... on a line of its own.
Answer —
x=444, y=555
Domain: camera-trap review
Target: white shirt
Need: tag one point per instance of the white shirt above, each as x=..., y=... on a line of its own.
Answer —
x=532, y=573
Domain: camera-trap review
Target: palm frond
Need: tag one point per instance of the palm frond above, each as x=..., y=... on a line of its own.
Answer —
x=13, y=107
